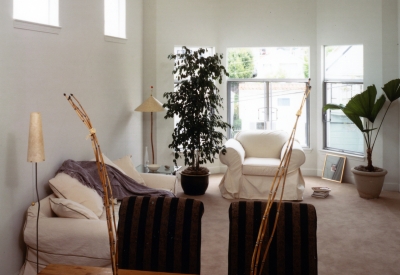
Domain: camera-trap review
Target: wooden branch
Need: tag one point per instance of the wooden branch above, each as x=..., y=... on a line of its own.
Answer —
x=279, y=180
x=101, y=167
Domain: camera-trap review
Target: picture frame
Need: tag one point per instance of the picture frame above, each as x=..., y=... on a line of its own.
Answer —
x=333, y=167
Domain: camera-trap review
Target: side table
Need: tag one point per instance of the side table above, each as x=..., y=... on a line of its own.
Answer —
x=171, y=170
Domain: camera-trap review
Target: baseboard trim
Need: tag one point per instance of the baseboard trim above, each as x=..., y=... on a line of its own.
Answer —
x=391, y=187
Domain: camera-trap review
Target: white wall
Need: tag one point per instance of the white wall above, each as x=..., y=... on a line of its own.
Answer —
x=220, y=24
x=255, y=23
x=36, y=68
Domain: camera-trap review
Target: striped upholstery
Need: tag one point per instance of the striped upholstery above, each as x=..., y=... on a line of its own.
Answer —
x=294, y=246
x=160, y=234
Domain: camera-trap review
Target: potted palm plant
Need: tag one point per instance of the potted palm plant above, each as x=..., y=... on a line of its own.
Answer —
x=363, y=110
x=196, y=100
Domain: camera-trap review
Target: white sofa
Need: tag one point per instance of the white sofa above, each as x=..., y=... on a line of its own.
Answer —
x=74, y=241
x=252, y=158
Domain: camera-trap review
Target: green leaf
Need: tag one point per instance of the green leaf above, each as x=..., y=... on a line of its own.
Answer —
x=364, y=104
x=355, y=119
x=333, y=107
x=392, y=89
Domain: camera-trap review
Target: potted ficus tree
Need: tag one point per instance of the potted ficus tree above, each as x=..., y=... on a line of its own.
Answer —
x=363, y=110
x=198, y=135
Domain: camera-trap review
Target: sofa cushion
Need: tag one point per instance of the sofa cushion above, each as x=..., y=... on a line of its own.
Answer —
x=262, y=144
x=64, y=186
x=260, y=166
x=126, y=164
x=69, y=209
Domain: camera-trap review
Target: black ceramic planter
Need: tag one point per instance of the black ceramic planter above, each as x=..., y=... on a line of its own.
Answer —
x=194, y=185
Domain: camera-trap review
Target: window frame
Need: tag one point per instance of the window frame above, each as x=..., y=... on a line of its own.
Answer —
x=324, y=116
x=266, y=82
x=325, y=82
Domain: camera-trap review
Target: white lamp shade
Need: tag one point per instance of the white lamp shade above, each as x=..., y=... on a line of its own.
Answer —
x=35, y=143
x=150, y=105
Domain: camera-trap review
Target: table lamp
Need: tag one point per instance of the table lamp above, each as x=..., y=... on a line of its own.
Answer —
x=149, y=106
x=36, y=154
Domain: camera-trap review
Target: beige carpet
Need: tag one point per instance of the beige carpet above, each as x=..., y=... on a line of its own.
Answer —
x=355, y=236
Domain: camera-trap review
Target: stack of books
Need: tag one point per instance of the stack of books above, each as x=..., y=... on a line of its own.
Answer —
x=321, y=192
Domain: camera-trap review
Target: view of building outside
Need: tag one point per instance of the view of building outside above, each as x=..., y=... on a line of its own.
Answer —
x=269, y=92
x=343, y=80
x=268, y=105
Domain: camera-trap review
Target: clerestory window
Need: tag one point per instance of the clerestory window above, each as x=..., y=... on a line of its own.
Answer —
x=115, y=18
x=37, y=11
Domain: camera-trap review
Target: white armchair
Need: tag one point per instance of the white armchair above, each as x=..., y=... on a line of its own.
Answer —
x=253, y=158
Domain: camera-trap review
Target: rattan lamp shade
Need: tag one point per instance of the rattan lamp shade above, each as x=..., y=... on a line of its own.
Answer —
x=35, y=143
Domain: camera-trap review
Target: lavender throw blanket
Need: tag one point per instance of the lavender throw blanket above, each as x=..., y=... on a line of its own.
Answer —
x=122, y=186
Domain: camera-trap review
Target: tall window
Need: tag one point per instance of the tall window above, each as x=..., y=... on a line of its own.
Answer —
x=37, y=11
x=343, y=79
x=265, y=89
x=115, y=18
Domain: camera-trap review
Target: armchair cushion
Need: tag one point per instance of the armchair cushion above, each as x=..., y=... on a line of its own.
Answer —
x=254, y=143
x=260, y=166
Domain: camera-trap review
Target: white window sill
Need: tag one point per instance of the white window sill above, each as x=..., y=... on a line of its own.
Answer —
x=349, y=156
x=32, y=26
x=115, y=39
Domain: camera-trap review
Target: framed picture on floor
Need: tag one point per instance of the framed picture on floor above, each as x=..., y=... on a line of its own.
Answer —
x=333, y=167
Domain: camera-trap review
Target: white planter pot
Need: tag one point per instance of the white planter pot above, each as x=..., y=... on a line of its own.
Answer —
x=369, y=184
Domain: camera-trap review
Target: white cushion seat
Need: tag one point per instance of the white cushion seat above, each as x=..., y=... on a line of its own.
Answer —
x=260, y=166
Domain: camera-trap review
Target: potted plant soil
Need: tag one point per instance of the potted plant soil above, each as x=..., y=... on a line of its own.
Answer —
x=363, y=110
x=198, y=135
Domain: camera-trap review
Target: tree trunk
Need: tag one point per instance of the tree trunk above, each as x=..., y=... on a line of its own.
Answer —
x=370, y=168
x=197, y=161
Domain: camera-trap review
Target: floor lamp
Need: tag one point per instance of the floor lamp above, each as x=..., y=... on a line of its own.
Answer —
x=36, y=154
x=149, y=106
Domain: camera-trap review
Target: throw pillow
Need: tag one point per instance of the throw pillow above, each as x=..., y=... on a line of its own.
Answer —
x=69, y=209
x=126, y=164
x=65, y=186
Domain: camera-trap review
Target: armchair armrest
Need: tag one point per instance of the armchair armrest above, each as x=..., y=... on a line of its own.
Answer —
x=298, y=156
x=158, y=181
x=234, y=155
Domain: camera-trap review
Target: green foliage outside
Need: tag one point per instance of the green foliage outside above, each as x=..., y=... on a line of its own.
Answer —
x=237, y=122
x=306, y=67
x=240, y=63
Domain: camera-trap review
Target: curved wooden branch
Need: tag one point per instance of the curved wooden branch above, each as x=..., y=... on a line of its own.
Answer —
x=101, y=167
x=279, y=181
